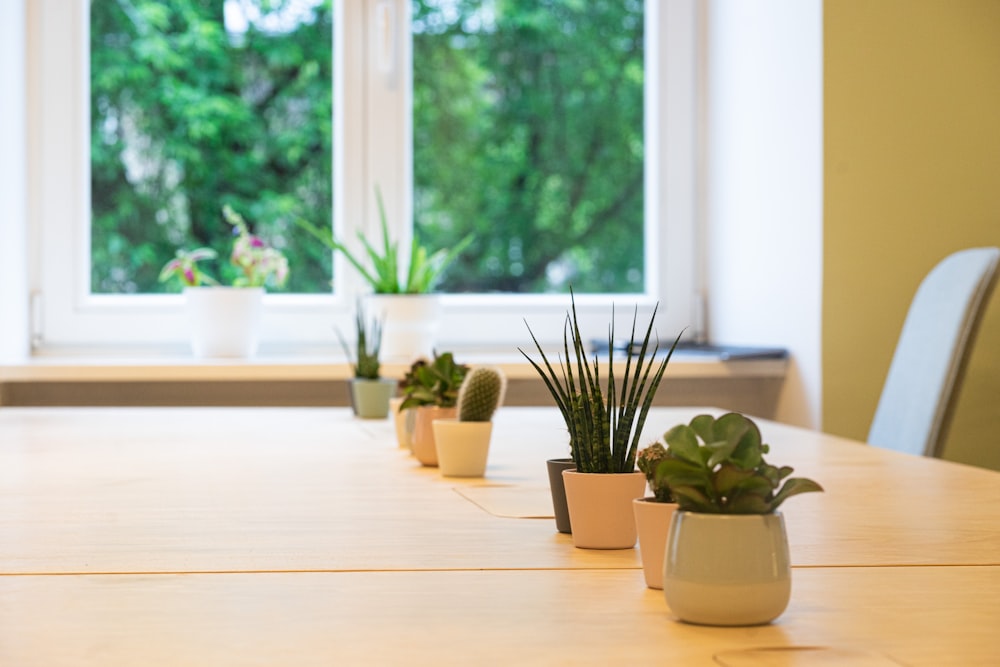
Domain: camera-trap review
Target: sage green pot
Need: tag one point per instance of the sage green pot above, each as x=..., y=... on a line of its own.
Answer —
x=370, y=398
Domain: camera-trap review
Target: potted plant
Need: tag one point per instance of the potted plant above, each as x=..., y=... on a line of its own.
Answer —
x=370, y=392
x=402, y=293
x=404, y=419
x=727, y=552
x=225, y=320
x=434, y=394
x=604, y=422
x=463, y=443
x=653, y=515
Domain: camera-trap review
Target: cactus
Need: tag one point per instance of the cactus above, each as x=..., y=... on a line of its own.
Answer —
x=480, y=394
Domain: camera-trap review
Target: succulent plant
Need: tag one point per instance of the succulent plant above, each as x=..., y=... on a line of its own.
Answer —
x=369, y=341
x=604, y=425
x=648, y=460
x=434, y=383
x=480, y=394
x=717, y=466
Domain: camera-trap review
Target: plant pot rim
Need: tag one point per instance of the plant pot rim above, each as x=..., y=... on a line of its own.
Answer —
x=653, y=501
x=603, y=474
x=730, y=516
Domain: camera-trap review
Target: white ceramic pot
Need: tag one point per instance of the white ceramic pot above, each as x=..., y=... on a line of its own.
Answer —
x=600, y=508
x=410, y=323
x=462, y=447
x=727, y=569
x=224, y=321
x=652, y=523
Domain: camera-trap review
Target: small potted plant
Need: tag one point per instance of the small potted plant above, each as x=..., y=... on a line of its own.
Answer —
x=653, y=514
x=433, y=392
x=463, y=443
x=225, y=320
x=401, y=292
x=727, y=552
x=605, y=423
x=370, y=392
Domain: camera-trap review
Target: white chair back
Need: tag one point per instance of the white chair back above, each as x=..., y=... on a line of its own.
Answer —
x=918, y=397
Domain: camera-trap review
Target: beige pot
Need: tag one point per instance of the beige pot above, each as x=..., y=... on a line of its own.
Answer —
x=727, y=569
x=423, y=432
x=600, y=508
x=462, y=447
x=652, y=523
x=404, y=421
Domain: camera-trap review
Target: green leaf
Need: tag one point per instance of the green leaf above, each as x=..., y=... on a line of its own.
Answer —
x=793, y=487
x=683, y=443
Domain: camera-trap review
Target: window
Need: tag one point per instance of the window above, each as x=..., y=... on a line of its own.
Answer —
x=391, y=130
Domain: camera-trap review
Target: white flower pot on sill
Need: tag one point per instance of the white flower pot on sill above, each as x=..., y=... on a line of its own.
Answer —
x=410, y=324
x=224, y=321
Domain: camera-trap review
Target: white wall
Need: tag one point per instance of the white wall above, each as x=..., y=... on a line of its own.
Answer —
x=14, y=337
x=763, y=186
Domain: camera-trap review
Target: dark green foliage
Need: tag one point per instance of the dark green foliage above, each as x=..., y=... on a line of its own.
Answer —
x=186, y=118
x=434, y=383
x=717, y=466
x=604, y=425
x=369, y=341
x=480, y=394
x=528, y=130
x=528, y=134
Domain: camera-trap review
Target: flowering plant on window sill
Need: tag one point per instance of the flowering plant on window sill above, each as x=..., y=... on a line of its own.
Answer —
x=259, y=264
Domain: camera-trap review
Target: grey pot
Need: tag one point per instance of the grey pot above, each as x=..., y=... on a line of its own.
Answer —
x=555, y=468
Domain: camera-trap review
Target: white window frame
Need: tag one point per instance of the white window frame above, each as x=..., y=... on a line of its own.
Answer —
x=374, y=102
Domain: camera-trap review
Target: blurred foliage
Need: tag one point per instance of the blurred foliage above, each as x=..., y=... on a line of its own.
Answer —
x=527, y=132
x=187, y=117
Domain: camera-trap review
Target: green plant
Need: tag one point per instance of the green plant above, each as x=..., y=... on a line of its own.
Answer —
x=369, y=340
x=604, y=425
x=434, y=383
x=647, y=460
x=423, y=271
x=480, y=394
x=258, y=263
x=717, y=466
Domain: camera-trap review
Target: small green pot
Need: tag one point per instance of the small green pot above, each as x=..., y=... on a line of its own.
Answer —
x=371, y=397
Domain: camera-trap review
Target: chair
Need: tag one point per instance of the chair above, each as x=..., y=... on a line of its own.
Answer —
x=920, y=391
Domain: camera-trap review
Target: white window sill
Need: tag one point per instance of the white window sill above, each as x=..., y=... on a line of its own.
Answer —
x=321, y=366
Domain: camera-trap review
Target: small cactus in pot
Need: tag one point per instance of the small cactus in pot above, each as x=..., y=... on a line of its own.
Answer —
x=463, y=443
x=480, y=394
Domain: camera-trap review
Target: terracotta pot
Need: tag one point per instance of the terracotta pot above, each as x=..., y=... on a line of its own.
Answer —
x=423, y=432
x=224, y=321
x=462, y=447
x=652, y=523
x=555, y=469
x=600, y=508
x=727, y=569
x=370, y=398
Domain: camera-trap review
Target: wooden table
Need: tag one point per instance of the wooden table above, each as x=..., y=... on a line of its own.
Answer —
x=277, y=536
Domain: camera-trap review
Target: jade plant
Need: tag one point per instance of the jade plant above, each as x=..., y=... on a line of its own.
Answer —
x=648, y=460
x=480, y=394
x=366, y=362
x=604, y=420
x=717, y=466
x=435, y=383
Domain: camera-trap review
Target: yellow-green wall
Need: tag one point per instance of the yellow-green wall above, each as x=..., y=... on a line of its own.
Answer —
x=912, y=173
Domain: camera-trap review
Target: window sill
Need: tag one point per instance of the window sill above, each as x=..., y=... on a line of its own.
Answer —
x=320, y=367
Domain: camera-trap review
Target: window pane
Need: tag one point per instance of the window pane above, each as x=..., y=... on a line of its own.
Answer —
x=196, y=104
x=528, y=132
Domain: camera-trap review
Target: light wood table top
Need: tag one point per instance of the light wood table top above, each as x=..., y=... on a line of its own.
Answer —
x=278, y=536
x=278, y=489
